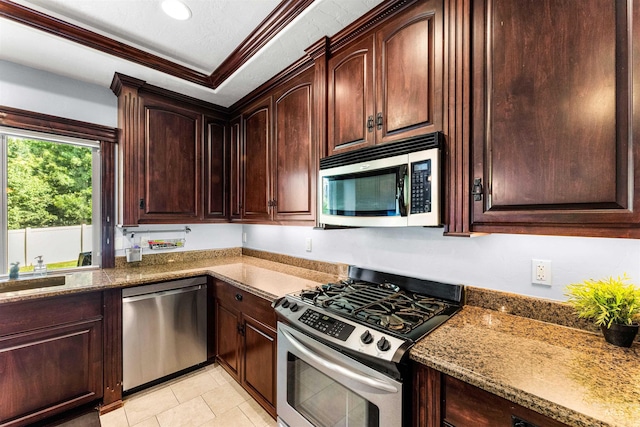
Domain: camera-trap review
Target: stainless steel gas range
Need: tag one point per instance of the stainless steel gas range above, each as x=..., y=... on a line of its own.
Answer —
x=343, y=347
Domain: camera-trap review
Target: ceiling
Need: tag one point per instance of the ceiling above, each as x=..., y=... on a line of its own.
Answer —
x=201, y=44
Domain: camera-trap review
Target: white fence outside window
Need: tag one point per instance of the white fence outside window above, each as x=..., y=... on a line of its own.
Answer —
x=55, y=244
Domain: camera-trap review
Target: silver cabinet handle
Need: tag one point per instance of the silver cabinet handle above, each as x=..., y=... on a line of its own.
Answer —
x=341, y=370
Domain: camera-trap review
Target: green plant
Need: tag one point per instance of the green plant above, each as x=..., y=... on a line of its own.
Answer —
x=606, y=301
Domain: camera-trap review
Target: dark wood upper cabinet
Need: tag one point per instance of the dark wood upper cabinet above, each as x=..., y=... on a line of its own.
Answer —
x=257, y=164
x=274, y=155
x=387, y=84
x=351, y=100
x=552, y=116
x=294, y=152
x=172, y=154
x=409, y=73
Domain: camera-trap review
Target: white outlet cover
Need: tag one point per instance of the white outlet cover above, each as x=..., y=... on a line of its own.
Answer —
x=541, y=272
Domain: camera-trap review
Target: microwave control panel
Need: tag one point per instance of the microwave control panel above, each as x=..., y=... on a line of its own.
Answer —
x=421, y=187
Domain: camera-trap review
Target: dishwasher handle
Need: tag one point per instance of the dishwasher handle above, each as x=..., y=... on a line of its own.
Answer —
x=162, y=293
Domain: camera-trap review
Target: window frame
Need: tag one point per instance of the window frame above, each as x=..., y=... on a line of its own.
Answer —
x=107, y=137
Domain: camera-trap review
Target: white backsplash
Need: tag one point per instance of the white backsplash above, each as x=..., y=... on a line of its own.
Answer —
x=496, y=261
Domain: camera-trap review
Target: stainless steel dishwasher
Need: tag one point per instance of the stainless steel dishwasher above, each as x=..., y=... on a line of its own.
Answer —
x=164, y=329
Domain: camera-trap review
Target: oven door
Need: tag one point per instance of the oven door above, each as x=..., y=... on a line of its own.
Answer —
x=320, y=387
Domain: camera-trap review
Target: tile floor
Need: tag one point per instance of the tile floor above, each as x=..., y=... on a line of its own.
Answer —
x=207, y=397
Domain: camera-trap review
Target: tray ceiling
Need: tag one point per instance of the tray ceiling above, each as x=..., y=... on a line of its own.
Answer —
x=200, y=45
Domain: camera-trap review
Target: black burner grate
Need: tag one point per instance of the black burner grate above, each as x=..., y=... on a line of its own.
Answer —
x=383, y=306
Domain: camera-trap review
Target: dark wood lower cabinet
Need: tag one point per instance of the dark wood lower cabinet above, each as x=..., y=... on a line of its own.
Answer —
x=227, y=338
x=259, y=371
x=50, y=356
x=441, y=400
x=246, y=342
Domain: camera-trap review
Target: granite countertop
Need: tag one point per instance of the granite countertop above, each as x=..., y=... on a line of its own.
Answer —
x=567, y=374
x=264, y=278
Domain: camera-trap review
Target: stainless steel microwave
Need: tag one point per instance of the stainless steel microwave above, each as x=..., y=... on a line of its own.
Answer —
x=393, y=185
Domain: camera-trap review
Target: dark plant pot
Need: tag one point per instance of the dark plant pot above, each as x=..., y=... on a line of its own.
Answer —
x=620, y=335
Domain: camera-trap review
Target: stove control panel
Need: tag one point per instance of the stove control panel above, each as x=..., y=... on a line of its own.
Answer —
x=326, y=324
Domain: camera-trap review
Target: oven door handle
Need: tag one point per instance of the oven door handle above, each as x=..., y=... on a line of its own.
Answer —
x=341, y=370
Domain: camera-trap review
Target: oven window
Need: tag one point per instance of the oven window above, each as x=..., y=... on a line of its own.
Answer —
x=325, y=402
x=362, y=194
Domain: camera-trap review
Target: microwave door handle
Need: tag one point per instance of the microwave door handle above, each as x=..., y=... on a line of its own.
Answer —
x=402, y=175
x=341, y=370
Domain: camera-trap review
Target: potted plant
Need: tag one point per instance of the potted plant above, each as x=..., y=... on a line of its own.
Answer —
x=613, y=304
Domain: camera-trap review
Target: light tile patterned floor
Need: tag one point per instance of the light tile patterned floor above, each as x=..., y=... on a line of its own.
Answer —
x=208, y=397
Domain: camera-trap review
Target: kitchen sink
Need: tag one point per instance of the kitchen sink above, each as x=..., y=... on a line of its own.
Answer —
x=31, y=283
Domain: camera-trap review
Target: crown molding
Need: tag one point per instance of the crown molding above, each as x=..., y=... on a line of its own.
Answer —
x=268, y=29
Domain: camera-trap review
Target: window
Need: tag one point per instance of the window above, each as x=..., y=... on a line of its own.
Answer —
x=51, y=201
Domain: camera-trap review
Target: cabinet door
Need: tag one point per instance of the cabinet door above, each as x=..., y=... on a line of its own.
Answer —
x=215, y=181
x=260, y=362
x=294, y=150
x=227, y=338
x=553, y=113
x=49, y=370
x=257, y=170
x=237, y=162
x=172, y=157
x=351, y=101
x=409, y=73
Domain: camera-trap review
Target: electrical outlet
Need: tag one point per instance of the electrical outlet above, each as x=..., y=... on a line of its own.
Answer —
x=541, y=272
x=244, y=237
x=307, y=243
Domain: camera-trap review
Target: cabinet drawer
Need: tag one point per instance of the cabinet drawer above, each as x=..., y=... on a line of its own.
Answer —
x=246, y=302
x=468, y=406
x=35, y=314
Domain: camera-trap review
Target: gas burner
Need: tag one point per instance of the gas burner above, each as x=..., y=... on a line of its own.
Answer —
x=385, y=306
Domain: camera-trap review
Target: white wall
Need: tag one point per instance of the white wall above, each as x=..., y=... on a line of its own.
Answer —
x=496, y=261
x=34, y=90
x=500, y=262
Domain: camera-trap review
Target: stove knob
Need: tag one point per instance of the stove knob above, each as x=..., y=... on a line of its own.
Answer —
x=294, y=307
x=383, y=344
x=366, y=337
x=285, y=303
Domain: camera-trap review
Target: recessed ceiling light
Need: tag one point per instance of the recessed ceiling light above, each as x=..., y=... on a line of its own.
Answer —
x=176, y=9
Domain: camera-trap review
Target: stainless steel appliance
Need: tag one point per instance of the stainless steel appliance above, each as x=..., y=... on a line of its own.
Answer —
x=343, y=347
x=164, y=329
x=390, y=185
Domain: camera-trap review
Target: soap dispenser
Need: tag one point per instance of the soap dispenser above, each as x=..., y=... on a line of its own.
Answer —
x=14, y=271
x=40, y=269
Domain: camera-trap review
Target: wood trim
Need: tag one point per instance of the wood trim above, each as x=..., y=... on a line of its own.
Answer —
x=38, y=122
x=121, y=81
x=108, y=197
x=268, y=29
x=60, y=28
x=367, y=21
x=288, y=73
x=427, y=396
x=277, y=20
x=112, y=350
x=456, y=117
